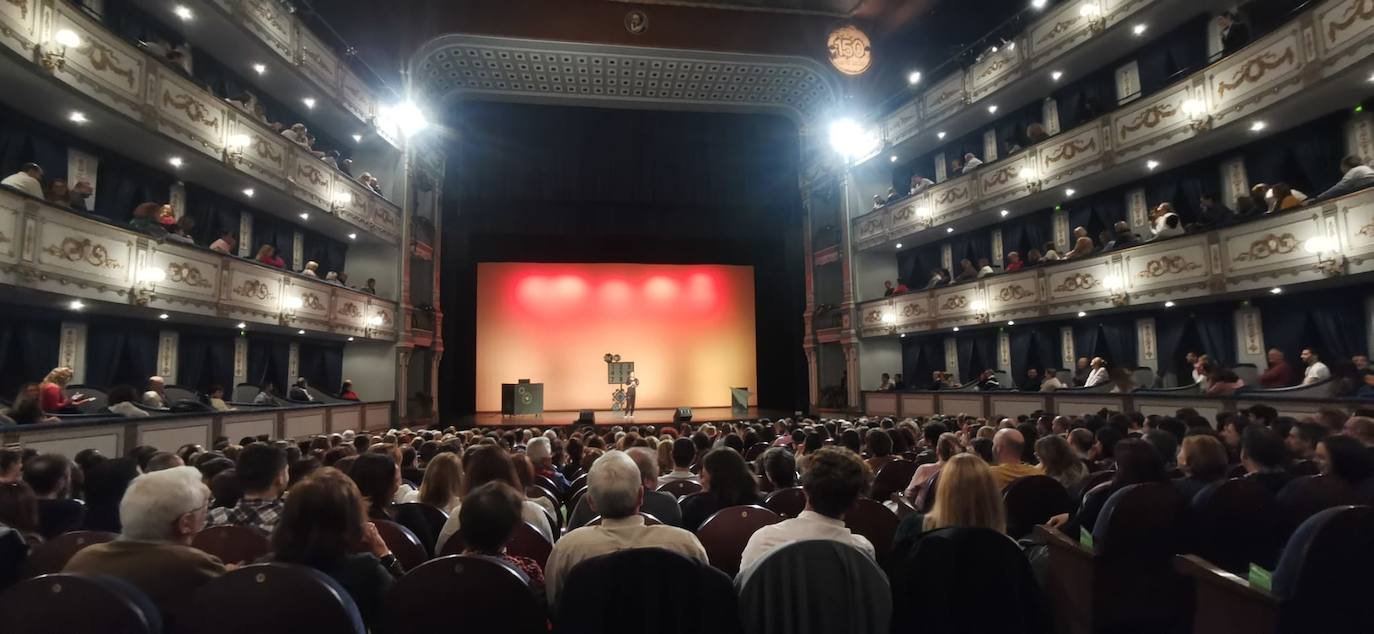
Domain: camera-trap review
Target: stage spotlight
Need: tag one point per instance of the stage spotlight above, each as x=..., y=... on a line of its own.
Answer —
x=405, y=117
x=850, y=140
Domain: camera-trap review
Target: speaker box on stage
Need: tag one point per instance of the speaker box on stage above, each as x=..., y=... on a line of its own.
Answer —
x=683, y=415
x=586, y=417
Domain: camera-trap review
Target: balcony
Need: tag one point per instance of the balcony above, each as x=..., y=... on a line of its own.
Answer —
x=43, y=248
x=150, y=113
x=1288, y=76
x=1303, y=246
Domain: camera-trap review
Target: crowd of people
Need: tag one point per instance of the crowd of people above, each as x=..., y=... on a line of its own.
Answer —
x=319, y=499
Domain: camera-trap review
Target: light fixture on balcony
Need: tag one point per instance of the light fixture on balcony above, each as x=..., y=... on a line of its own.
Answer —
x=1092, y=12
x=1138, y=29
x=77, y=117
x=76, y=304
x=183, y=12
x=924, y=215
x=1011, y=322
x=1198, y=117
x=235, y=146
x=350, y=339
x=1151, y=164
x=913, y=78
x=850, y=140
x=405, y=117
x=145, y=283
x=1169, y=304
x=241, y=325
x=260, y=68
x=342, y=200
x=373, y=323
x=1027, y=175
x=304, y=215
x=992, y=109
x=1056, y=75
x=980, y=310
x=301, y=331
x=889, y=318
x=248, y=191
x=1330, y=260
x=1082, y=314
x=309, y=102
x=1275, y=291
x=164, y=316
x=892, y=159
x=352, y=236
x=1039, y=4
x=1258, y=126
x=289, y=306
x=902, y=336
x=949, y=229
x=899, y=245
x=1117, y=287
x=176, y=162
x=956, y=329
x=54, y=55
x=1068, y=193
x=357, y=138
x=940, y=135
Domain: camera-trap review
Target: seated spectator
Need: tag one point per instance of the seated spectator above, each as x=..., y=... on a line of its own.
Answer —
x=1213, y=214
x=879, y=446
x=1346, y=458
x=946, y=447
x=370, y=287
x=984, y=268
x=1357, y=176
x=1033, y=258
x=615, y=486
x=727, y=482
x=901, y=288
x=967, y=495
x=262, y=475
x=938, y=278
x=833, y=484
x=298, y=392
x=1265, y=457
x=1098, y=374
x=28, y=180
x=49, y=475
x=160, y=514
x=378, y=478
x=888, y=289
x=1081, y=372
x=1361, y=428
x=57, y=193
x=311, y=269
x=19, y=511
x=1136, y=463
x=346, y=391
x=1223, y=382
x=1279, y=373
x=919, y=184
x=156, y=395
x=442, y=485
x=1014, y=262
x=180, y=230
x=971, y=163
x=987, y=381
x=1167, y=225
x=1122, y=380
x=120, y=401
x=1035, y=133
x=892, y=194
x=267, y=254
x=1303, y=438
x=898, y=383
x=216, y=399
x=1008, y=449
x=322, y=526
x=163, y=460
x=1282, y=197
x=966, y=272
x=1050, y=254
x=1082, y=244
x=778, y=468
x=1124, y=237
x=490, y=515
x=662, y=506
x=1058, y=461
x=80, y=193
x=265, y=395
x=225, y=243
x=1316, y=371
x=1234, y=33
x=1202, y=459
x=298, y=134
x=885, y=384
x=1051, y=382
x=1032, y=382
x=684, y=453
x=145, y=220
x=50, y=392
x=490, y=463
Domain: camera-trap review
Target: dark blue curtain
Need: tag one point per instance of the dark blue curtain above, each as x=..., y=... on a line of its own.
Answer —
x=1330, y=322
x=1097, y=213
x=212, y=213
x=268, y=361
x=1169, y=57
x=328, y=253
x=1025, y=233
x=1033, y=347
x=322, y=365
x=28, y=349
x=1216, y=331
x=920, y=357
x=1183, y=188
x=1112, y=337
x=977, y=352
x=120, y=352
x=280, y=234
x=1307, y=157
x=122, y=185
x=205, y=359
x=914, y=266
x=23, y=140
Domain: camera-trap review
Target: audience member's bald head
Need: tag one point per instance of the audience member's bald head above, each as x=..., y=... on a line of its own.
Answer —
x=1008, y=445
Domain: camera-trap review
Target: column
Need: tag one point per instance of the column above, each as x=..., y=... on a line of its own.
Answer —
x=1059, y=220
x=240, y=360
x=851, y=368
x=246, y=246
x=293, y=363
x=1250, y=337
x=990, y=145
x=298, y=251
x=940, y=167
x=1359, y=136
x=1067, y=357
x=71, y=351
x=1049, y=116
x=1138, y=212
x=1234, y=182
x=1004, y=353
x=947, y=257
x=82, y=166
x=167, y=341
x=813, y=377
x=997, y=252
x=952, y=357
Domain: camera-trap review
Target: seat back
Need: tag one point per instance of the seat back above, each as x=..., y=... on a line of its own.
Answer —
x=233, y=544
x=274, y=598
x=178, y=393
x=536, y=493
x=56, y=603
x=967, y=558
x=755, y=450
x=925, y=500
x=403, y=543
x=14, y=554
x=680, y=488
x=525, y=541
x=245, y=392
x=1315, y=579
x=578, y=482
x=1320, y=389
x=829, y=587
x=1034, y=500
x=90, y=391
x=789, y=502
x=1064, y=376
x=877, y=523
x=1247, y=373
x=489, y=593
x=892, y=478
x=1143, y=377
x=1141, y=522
x=688, y=597
x=1095, y=478
x=725, y=534
x=52, y=556
x=575, y=498
x=1002, y=378
x=1306, y=496
x=548, y=483
x=422, y=519
x=321, y=397
x=1233, y=523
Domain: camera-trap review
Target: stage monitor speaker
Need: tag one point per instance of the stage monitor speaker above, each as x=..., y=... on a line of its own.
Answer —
x=683, y=415
x=586, y=417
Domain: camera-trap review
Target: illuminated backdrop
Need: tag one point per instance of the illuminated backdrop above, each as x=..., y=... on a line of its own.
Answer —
x=688, y=328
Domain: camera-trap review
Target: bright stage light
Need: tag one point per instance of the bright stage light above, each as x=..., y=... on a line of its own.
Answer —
x=850, y=140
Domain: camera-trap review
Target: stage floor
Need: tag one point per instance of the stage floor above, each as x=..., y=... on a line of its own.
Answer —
x=607, y=417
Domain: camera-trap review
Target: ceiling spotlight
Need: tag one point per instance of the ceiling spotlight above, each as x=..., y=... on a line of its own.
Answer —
x=914, y=78
x=350, y=339
x=1068, y=193
x=899, y=245
x=182, y=12
x=949, y=229
x=1039, y=4
x=76, y=304
x=305, y=215
x=300, y=332
x=241, y=325
x=1138, y=29
x=260, y=68
x=1258, y=126
x=248, y=192
x=1082, y=314
x=892, y=158
x=357, y=138
x=352, y=236
x=902, y=336
x=77, y=117
x=850, y=140
x=1054, y=76
x=1169, y=304
x=407, y=117
x=175, y=161
x=1011, y=322
x=940, y=135
x=163, y=316
x=1151, y=164
x=1005, y=213
x=956, y=329
x=1275, y=291
x=992, y=109
x=309, y=102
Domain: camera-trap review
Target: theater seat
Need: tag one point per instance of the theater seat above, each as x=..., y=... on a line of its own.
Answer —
x=815, y=587
x=755, y=450
x=178, y=393
x=233, y=544
x=275, y=599
x=403, y=543
x=61, y=603
x=52, y=556
x=1320, y=389
x=877, y=523
x=480, y=594
x=245, y=393
x=1317, y=587
x=1234, y=523
x=966, y=558
x=725, y=534
x=788, y=502
x=680, y=488
x=422, y=519
x=1306, y=496
x=686, y=596
x=1034, y=500
x=892, y=478
x=525, y=541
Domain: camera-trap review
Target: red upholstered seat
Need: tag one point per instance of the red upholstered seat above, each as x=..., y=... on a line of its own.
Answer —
x=1034, y=500
x=875, y=522
x=892, y=478
x=233, y=544
x=727, y=532
x=53, y=555
x=680, y=488
x=788, y=502
x=525, y=541
x=488, y=593
x=403, y=543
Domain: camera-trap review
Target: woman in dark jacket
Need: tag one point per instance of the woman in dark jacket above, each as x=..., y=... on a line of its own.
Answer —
x=727, y=482
x=1136, y=463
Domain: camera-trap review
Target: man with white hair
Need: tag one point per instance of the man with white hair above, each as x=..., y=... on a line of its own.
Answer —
x=161, y=512
x=615, y=487
x=540, y=452
x=156, y=396
x=662, y=506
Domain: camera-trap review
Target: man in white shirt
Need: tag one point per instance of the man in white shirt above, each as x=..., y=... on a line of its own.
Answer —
x=1098, y=375
x=1316, y=370
x=156, y=396
x=920, y=184
x=1357, y=176
x=684, y=452
x=616, y=491
x=984, y=268
x=971, y=163
x=833, y=481
x=29, y=179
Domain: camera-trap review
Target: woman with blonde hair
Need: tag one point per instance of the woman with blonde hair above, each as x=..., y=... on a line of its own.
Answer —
x=1060, y=462
x=50, y=392
x=665, y=457
x=443, y=483
x=966, y=495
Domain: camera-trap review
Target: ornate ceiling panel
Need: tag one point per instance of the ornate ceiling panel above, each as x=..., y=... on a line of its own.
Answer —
x=837, y=8
x=471, y=66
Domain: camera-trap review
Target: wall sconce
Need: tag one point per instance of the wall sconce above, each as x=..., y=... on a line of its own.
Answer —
x=146, y=282
x=341, y=201
x=1117, y=287
x=1092, y=12
x=233, y=149
x=1027, y=175
x=1198, y=117
x=55, y=56
x=289, y=307
x=1330, y=260
x=980, y=310
x=373, y=323
x=925, y=216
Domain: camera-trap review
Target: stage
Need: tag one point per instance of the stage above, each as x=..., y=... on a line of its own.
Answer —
x=607, y=417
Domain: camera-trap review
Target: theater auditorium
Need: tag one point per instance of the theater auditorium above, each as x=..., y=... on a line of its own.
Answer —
x=686, y=316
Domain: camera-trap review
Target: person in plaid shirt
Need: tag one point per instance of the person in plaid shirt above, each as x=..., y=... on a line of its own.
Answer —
x=262, y=473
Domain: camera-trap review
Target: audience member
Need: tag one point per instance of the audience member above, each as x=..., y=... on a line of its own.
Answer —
x=1136, y=463
x=1014, y=262
x=262, y=474
x=51, y=394
x=1223, y=382
x=1235, y=34
x=984, y=268
x=120, y=400
x=661, y=506
x=1202, y=459
x=1008, y=449
x=311, y=269
x=1346, y=458
x=1058, y=461
x=490, y=515
x=1165, y=222
x=225, y=243
x=163, y=460
x=267, y=254
x=1052, y=382
x=1032, y=382
x=489, y=463
x=938, y=278
x=1082, y=244
x=778, y=468
x=833, y=484
x=156, y=395
x=19, y=511
x=1279, y=373
x=442, y=485
x=727, y=482
x=966, y=272
x=1316, y=371
x=1212, y=214
x=1264, y=457
x=1098, y=373
x=1302, y=440
x=28, y=180
x=919, y=184
x=49, y=475
x=946, y=446
x=298, y=392
x=1124, y=237
x=971, y=163
x=684, y=454
x=1357, y=176
x=879, y=446
x=966, y=495
x=1361, y=428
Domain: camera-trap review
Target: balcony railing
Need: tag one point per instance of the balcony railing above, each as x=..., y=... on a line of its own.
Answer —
x=1300, y=246
x=49, y=249
x=129, y=81
x=1297, y=67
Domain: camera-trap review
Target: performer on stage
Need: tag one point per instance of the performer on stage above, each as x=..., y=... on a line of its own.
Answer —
x=630, y=396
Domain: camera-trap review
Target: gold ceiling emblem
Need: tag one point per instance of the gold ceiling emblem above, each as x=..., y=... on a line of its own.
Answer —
x=850, y=52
